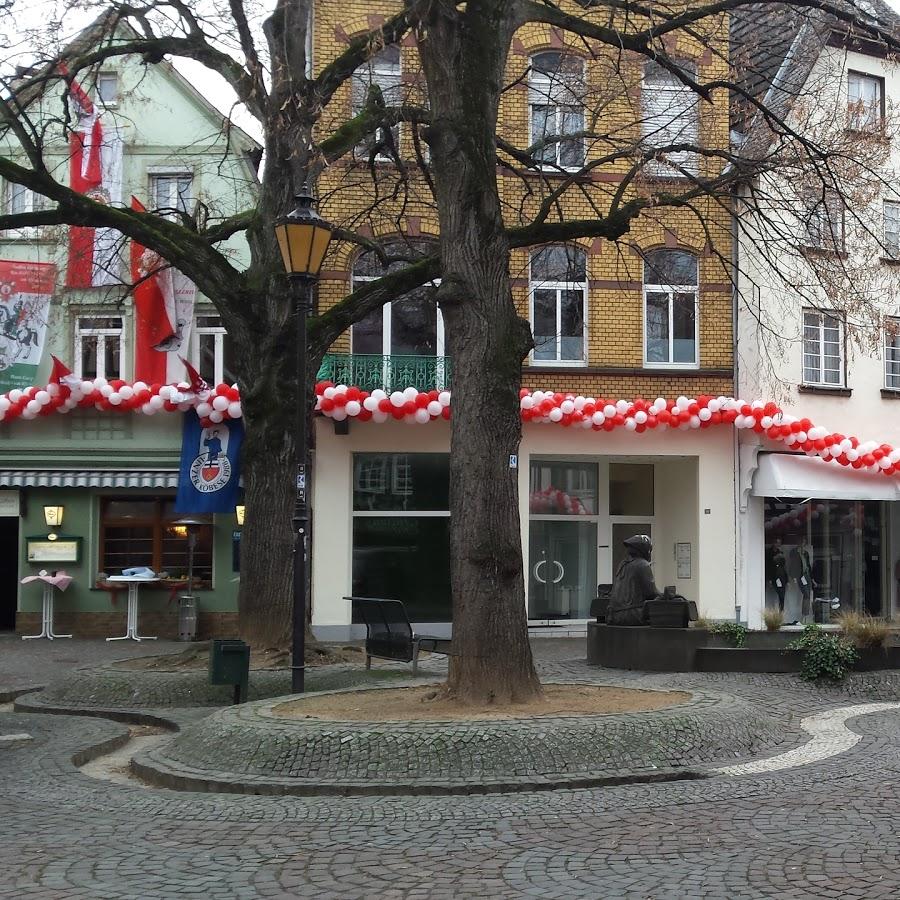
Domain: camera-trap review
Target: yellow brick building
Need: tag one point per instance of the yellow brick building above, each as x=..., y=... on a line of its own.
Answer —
x=623, y=329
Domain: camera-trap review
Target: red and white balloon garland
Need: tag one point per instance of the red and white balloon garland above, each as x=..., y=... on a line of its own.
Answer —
x=341, y=402
x=213, y=405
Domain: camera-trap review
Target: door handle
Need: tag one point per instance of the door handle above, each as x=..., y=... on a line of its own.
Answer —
x=537, y=566
x=562, y=571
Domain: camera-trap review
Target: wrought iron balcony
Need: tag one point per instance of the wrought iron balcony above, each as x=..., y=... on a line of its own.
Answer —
x=390, y=373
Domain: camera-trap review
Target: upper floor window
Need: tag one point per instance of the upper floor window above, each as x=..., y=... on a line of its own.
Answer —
x=823, y=222
x=670, y=309
x=108, y=88
x=670, y=118
x=892, y=354
x=212, y=350
x=865, y=101
x=823, y=349
x=99, y=347
x=891, y=238
x=558, y=292
x=383, y=71
x=171, y=192
x=409, y=326
x=19, y=199
x=556, y=97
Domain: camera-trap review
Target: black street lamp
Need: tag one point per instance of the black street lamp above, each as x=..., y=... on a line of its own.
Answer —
x=303, y=237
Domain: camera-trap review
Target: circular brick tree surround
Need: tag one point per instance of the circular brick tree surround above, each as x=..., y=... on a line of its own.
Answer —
x=251, y=749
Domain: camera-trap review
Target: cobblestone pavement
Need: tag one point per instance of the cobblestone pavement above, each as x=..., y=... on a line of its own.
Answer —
x=823, y=830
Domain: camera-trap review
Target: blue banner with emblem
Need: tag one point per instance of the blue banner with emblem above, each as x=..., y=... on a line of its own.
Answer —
x=210, y=466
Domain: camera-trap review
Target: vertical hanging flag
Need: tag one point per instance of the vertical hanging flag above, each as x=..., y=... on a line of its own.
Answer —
x=210, y=466
x=25, y=292
x=164, y=306
x=95, y=169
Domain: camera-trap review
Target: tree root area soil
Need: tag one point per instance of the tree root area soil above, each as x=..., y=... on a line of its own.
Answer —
x=194, y=658
x=424, y=704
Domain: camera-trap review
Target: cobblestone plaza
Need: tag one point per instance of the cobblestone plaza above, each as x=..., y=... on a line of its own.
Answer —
x=823, y=827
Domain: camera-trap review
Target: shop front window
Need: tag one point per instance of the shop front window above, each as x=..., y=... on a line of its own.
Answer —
x=142, y=531
x=824, y=557
x=401, y=531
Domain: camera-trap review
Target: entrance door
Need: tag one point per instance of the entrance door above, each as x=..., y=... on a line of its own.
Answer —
x=9, y=571
x=621, y=531
x=563, y=578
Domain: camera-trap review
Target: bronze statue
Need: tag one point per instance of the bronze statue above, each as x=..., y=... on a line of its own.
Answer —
x=633, y=585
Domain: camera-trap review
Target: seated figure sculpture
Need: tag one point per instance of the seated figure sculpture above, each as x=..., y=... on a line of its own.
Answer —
x=633, y=585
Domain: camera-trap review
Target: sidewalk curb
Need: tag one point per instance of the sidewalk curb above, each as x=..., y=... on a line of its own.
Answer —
x=125, y=716
x=9, y=695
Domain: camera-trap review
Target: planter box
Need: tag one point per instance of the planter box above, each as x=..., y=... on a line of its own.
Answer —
x=873, y=658
x=746, y=659
x=643, y=647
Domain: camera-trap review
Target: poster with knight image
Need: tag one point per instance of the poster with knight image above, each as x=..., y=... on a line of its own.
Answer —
x=25, y=292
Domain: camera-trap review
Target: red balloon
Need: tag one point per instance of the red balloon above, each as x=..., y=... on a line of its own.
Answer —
x=339, y=400
x=385, y=405
x=327, y=404
x=409, y=407
x=445, y=412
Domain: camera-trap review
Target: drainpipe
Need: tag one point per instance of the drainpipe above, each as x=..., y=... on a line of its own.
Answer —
x=735, y=446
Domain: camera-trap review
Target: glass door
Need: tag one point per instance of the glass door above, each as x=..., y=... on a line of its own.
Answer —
x=562, y=579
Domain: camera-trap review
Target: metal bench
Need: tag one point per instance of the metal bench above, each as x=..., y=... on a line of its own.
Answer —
x=389, y=633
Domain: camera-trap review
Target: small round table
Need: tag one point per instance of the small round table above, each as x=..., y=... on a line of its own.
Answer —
x=60, y=580
x=133, y=583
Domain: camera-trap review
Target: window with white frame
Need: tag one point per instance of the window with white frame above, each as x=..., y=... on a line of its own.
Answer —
x=823, y=222
x=865, y=101
x=670, y=309
x=891, y=238
x=171, y=192
x=556, y=97
x=823, y=349
x=558, y=292
x=384, y=72
x=99, y=347
x=411, y=325
x=892, y=354
x=108, y=88
x=212, y=350
x=19, y=199
x=670, y=115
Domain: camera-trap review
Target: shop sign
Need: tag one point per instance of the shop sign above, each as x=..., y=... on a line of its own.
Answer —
x=43, y=550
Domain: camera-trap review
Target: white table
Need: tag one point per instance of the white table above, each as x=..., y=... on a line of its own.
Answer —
x=132, y=620
x=46, y=617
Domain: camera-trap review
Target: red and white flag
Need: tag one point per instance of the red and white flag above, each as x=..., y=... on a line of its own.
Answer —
x=95, y=169
x=164, y=311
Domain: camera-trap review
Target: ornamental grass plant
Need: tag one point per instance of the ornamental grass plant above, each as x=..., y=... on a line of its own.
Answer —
x=773, y=619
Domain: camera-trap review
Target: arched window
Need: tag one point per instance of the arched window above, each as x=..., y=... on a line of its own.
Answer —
x=556, y=99
x=383, y=70
x=670, y=116
x=670, y=309
x=411, y=325
x=558, y=281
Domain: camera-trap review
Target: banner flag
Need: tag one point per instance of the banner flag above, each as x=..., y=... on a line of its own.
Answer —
x=164, y=307
x=210, y=466
x=25, y=292
x=95, y=169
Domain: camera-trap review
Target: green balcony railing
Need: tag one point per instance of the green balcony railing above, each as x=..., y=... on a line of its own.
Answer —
x=390, y=373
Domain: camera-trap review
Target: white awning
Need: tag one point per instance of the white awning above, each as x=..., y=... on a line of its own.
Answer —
x=96, y=478
x=791, y=475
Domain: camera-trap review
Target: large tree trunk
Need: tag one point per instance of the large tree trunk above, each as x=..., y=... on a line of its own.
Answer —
x=487, y=342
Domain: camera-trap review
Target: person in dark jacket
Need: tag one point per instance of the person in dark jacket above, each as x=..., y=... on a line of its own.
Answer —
x=633, y=585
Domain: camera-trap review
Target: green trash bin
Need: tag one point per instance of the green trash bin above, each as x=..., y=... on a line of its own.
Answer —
x=229, y=663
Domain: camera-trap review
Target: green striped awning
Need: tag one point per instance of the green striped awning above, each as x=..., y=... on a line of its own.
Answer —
x=90, y=478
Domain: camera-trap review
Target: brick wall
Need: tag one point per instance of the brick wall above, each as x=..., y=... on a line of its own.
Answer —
x=112, y=624
x=615, y=310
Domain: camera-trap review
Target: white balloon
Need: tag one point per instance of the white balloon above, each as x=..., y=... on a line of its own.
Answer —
x=53, y=389
x=379, y=416
x=630, y=424
x=216, y=416
x=203, y=410
x=609, y=410
x=338, y=414
x=556, y=414
x=115, y=398
x=157, y=401
x=33, y=407
x=126, y=392
x=148, y=408
x=235, y=410
x=42, y=397
x=622, y=406
x=4, y=404
x=410, y=393
x=397, y=399
x=527, y=403
x=640, y=417
x=140, y=386
x=852, y=454
x=579, y=403
x=220, y=403
x=353, y=407
x=378, y=395
x=695, y=421
x=421, y=416
x=434, y=408
x=87, y=387
x=704, y=415
x=567, y=407
x=329, y=393
x=15, y=395
x=598, y=418
x=444, y=398
x=370, y=403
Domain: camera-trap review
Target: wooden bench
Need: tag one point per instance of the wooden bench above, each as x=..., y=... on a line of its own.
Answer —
x=389, y=633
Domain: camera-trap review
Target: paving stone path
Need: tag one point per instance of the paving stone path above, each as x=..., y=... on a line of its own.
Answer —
x=827, y=829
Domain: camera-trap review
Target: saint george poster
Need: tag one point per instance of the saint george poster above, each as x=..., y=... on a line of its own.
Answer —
x=25, y=292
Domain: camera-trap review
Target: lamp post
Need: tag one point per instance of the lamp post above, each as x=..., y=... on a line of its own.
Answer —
x=303, y=238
